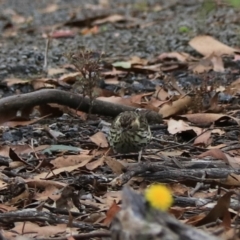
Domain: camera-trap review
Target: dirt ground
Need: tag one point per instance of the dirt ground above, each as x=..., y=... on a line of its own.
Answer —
x=122, y=29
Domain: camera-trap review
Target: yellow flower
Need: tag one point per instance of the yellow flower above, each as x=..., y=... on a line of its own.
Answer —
x=159, y=197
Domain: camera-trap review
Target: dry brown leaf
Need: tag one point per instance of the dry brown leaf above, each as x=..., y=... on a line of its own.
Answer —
x=160, y=94
x=234, y=161
x=115, y=165
x=91, y=30
x=33, y=183
x=7, y=208
x=19, y=149
x=137, y=60
x=231, y=180
x=202, y=66
x=195, y=219
x=215, y=153
x=170, y=154
x=217, y=146
x=99, y=139
x=113, y=18
x=47, y=175
x=217, y=63
x=70, y=160
x=27, y=227
x=178, y=189
x=113, y=81
x=154, y=103
x=43, y=83
x=138, y=97
x=49, y=9
x=176, y=211
x=205, y=194
x=206, y=119
x=204, y=139
x=176, y=107
x=21, y=197
x=218, y=211
x=206, y=45
x=23, y=123
x=63, y=34
x=95, y=164
x=49, y=192
x=180, y=56
x=119, y=100
x=109, y=197
x=12, y=81
x=111, y=213
x=55, y=71
x=70, y=77
x=114, y=72
x=179, y=126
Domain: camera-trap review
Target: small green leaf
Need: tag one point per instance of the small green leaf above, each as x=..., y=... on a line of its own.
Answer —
x=61, y=148
x=122, y=64
x=184, y=29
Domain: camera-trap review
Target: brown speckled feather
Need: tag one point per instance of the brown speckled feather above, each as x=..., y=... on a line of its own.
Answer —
x=129, y=132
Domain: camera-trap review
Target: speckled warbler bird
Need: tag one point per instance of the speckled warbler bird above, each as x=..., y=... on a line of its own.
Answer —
x=129, y=132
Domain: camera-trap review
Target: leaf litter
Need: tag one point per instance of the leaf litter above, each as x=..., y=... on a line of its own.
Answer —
x=58, y=177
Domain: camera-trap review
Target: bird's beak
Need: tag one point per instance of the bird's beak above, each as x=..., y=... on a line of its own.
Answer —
x=124, y=129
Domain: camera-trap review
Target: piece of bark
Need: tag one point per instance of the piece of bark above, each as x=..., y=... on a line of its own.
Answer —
x=162, y=173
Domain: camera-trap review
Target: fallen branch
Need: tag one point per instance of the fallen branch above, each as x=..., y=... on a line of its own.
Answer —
x=161, y=173
x=22, y=101
x=33, y=215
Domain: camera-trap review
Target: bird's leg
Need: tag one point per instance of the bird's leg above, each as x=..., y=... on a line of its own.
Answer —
x=139, y=156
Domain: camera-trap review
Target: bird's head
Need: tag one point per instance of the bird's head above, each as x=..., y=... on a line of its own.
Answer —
x=128, y=122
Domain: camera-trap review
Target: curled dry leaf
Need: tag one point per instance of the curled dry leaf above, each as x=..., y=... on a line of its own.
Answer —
x=206, y=45
x=211, y=62
x=138, y=98
x=206, y=119
x=204, y=139
x=172, y=108
x=215, y=153
x=181, y=126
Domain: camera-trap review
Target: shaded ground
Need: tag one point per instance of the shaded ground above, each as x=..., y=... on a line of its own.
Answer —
x=148, y=29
